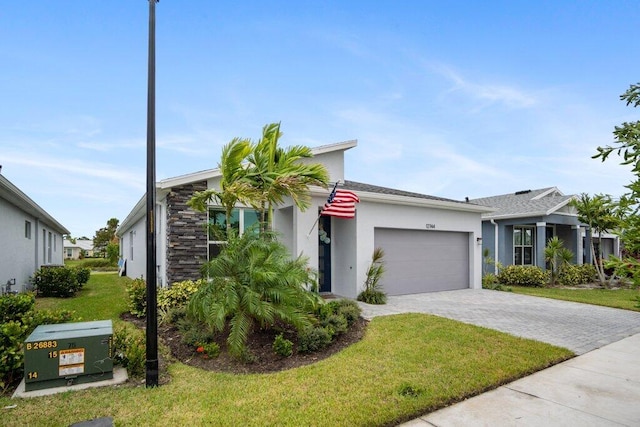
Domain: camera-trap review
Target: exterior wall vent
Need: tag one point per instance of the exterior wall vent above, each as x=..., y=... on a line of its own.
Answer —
x=517, y=193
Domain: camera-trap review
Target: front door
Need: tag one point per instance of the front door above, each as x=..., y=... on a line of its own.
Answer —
x=324, y=253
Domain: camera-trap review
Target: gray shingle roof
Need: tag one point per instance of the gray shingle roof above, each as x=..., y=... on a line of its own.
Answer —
x=358, y=186
x=525, y=203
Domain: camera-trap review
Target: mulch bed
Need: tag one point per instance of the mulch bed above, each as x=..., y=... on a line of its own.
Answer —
x=259, y=344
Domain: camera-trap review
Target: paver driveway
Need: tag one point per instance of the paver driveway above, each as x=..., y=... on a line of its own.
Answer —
x=578, y=327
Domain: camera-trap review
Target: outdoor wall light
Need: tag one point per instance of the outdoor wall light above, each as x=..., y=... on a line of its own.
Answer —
x=479, y=240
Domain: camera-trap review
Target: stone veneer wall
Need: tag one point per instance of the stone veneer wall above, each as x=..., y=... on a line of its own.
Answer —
x=186, y=235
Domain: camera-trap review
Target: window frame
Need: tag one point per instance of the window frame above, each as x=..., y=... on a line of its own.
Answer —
x=524, y=231
x=237, y=212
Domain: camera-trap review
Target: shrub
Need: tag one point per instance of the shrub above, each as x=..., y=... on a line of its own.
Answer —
x=178, y=294
x=193, y=332
x=137, y=292
x=129, y=348
x=313, y=339
x=489, y=281
x=13, y=333
x=523, y=275
x=588, y=273
x=14, y=306
x=335, y=324
x=82, y=275
x=373, y=293
x=209, y=349
x=55, y=281
x=282, y=346
x=350, y=310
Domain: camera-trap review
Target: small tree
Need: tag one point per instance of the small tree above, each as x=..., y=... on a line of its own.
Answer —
x=557, y=256
x=598, y=213
x=104, y=236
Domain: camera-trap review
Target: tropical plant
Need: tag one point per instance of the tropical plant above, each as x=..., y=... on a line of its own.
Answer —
x=277, y=173
x=234, y=186
x=262, y=174
x=253, y=282
x=598, y=212
x=557, y=256
x=373, y=293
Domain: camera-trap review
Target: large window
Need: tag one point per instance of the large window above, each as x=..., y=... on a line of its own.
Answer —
x=523, y=246
x=27, y=230
x=242, y=220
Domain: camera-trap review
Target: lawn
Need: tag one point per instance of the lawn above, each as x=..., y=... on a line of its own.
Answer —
x=405, y=366
x=616, y=298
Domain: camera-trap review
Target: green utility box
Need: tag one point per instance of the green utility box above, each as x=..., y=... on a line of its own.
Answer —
x=67, y=354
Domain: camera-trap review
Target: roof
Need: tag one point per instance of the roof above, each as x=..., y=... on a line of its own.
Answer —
x=13, y=195
x=543, y=201
x=379, y=194
x=87, y=245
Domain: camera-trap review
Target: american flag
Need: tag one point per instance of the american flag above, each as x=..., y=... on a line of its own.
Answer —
x=341, y=204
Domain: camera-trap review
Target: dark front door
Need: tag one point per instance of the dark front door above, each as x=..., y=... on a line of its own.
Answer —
x=324, y=253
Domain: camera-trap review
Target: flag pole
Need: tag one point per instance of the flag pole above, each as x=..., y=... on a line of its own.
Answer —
x=320, y=214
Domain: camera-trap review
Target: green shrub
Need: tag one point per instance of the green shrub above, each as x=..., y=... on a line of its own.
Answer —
x=12, y=335
x=15, y=331
x=523, y=275
x=313, y=339
x=335, y=324
x=82, y=275
x=489, y=281
x=209, y=349
x=129, y=348
x=193, y=332
x=282, y=346
x=569, y=275
x=55, y=281
x=373, y=293
x=137, y=292
x=372, y=297
x=98, y=264
x=350, y=310
x=588, y=273
x=178, y=294
x=14, y=306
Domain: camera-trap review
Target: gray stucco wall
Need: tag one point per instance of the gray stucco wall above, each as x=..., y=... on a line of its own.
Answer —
x=20, y=256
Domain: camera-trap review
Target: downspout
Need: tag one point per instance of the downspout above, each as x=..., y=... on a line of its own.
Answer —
x=495, y=247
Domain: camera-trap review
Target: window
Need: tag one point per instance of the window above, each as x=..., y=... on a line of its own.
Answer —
x=44, y=246
x=49, y=249
x=131, y=245
x=27, y=230
x=242, y=219
x=523, y=245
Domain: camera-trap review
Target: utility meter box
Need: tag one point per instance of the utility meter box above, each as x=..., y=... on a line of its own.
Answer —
x=68, y=354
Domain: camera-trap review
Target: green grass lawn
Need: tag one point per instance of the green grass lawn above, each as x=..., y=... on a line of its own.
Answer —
x=616, y=298
x=406, y=365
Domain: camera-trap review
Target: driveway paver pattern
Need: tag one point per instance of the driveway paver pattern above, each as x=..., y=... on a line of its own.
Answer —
x=578, y=327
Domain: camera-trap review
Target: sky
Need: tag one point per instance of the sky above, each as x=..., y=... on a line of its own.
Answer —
x=448, y=98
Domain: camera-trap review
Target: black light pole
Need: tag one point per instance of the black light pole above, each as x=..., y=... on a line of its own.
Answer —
x=152, y=310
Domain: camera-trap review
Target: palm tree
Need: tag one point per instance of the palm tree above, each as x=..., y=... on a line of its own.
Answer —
x=557, y=256
x=254, y=283
x=234, y=186
x=598, y=213
x=277, y=173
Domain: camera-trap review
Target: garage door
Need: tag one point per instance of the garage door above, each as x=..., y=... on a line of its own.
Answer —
x=423, y=261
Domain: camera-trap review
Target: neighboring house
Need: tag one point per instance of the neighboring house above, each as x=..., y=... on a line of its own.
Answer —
x=430, y=243
x=73, y=250
x=518, y=229
x=30, y=236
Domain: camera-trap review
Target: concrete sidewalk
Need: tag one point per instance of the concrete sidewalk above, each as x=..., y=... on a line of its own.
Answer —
x=599, y=388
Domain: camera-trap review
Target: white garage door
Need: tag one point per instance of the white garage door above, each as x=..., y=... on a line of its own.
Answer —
x=423, y=261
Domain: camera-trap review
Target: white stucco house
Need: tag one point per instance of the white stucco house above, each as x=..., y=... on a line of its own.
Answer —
x=30, y=236
x=430, y=243
x=77, y=248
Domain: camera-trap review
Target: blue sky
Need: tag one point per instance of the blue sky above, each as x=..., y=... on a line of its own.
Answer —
x=450, y=99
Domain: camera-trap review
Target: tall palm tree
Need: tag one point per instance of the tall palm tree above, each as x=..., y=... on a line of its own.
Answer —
x=277, y=173
x=234, y=186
